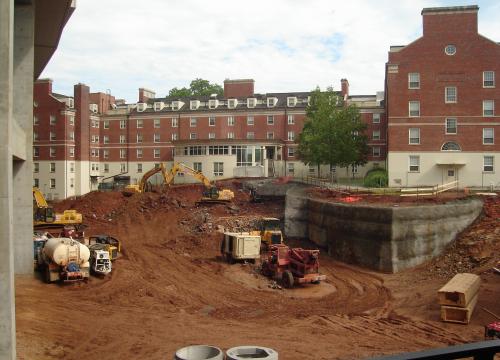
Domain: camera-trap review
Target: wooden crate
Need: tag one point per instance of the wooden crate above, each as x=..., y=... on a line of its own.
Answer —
x=460, y=290
x=460, y=315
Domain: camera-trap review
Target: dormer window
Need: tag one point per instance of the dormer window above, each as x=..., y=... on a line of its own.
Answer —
x=94, y=108
x=291, y=101
x=159, y=105
x=231, y=103
x=271, y=102
x=251, y=102
x=176, y=105
x=194, y=104
x=213, y=103
x=141, y=107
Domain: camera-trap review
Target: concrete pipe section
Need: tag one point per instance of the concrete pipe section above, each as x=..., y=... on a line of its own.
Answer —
x=199, y=352
x=251, y=352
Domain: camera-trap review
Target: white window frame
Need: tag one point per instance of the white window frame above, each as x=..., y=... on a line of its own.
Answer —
x=123, y=139
x=218, y=168
x=52, y=184
x=174, y=136
x=376, y=151
x=139, y=138
x=230, y=121
x=270, y=119
x=291, y=101
x=211, y=135
x=230, y=135
x=414, y=80
x=485, y=73
x=36, y=167
x=376, y=118
x=492, y=130
x=105, y=153
x=193, y=122
x=413, y=102
x=492, y=102
x=105, y=124
x=250, y=120
x=138, y=153
x=492, y=165
x=376, y=135
x=53, y=136
x=35, y=120
x=52, y=167
x=52, y=152
x=290, y=168
x=291, y=119
x=106, y=168
x=72, y=151
x=250, y=135
x=53, y=120
x=410, y=137
x=271, y=102
x=291, y=136
x=232, y=103
x=156, y=137
x=251, y=103
x=416, y=168
x=139, y=167
x=193, y=136
x=291, y=152
x=446, y=128
x=156, y=123
x=211, y=121
x=156, y=153
x=123, y=124
x=105, y=139
x=270, y=135
x=123, y=153
x=450, y=95
x=175, y=122
x=139, y=123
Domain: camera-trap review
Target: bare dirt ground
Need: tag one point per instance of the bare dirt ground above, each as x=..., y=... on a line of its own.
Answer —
x=170, y=289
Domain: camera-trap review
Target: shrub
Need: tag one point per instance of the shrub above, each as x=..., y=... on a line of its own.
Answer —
x=376, y=178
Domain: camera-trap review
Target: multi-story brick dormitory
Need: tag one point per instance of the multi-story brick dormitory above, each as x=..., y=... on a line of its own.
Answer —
x=90, y=137
x=442, y=103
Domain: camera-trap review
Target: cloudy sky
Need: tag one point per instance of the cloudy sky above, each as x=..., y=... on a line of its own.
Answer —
x=285, y=45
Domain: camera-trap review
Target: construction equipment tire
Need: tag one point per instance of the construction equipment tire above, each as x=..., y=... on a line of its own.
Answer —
x=287, y=279
x=46, y=275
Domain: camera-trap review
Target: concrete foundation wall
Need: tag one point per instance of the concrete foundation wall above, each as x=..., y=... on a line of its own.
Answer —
x=383, y=238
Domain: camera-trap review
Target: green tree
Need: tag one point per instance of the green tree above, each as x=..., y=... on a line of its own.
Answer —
x=198, y=87
x=333, y=133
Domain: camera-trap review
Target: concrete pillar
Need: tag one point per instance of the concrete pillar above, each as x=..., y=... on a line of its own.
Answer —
x=7, y=309
x=22, y=115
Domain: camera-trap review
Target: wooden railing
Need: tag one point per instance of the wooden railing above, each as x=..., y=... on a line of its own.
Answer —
x=429, y=190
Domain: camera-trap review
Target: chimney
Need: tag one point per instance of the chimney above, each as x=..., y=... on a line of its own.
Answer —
x=44, y=86
x=344, y=86
x=452, y=19
x=145, y=95
x=82, y=121
x=238, y=88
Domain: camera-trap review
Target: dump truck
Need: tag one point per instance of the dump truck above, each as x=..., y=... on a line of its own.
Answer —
x=108, y=243
x=64, y=259
x=292, y=266
x=100, y=263
x=269, y=231
x=240, y=246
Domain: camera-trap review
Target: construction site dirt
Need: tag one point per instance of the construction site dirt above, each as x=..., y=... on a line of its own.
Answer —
x=170, y=288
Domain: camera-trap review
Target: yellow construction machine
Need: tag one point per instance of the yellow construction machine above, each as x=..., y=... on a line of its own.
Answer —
x=269, y=231
x=210, y=194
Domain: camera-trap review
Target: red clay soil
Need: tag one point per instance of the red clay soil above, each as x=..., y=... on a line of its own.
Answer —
x=171, y=289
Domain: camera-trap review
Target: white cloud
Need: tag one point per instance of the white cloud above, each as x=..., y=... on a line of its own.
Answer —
x=285, y=45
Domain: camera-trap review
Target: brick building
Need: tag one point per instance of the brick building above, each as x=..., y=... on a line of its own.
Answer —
x=441, y=95
x=88, y=138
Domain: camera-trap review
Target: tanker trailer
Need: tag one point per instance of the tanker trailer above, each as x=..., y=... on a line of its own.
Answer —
x=65, y=259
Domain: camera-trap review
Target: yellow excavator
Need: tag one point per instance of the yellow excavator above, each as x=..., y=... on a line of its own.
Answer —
x=210, y=194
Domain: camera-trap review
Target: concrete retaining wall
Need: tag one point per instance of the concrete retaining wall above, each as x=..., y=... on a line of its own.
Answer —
x=383, y=238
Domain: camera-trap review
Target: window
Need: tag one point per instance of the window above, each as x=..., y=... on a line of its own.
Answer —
x=230, y=121
x=213, y=103
x=105, y=153
x=270, y=135
x=122, y=139
x=414, y=108
x=291, y=101
x=123, y=124
x=139, y=167
x=488, y=136
x=194, y=104
x=105, y=139
x=230, y=135
x=218, y=150
x=105, y=124
x=36, y=167
x=192, y=122
x=192, y=136
x=244, y=155
x=376, y=135
x=414, y=81
x=354, y=169
x=414, y=136
x=71, y=167
x=291, y=152
x=71, y=119
x=250, y=135
x=123, y=168
x=488, y=79
x=376, y=118
x=488, y=162
x=71, y=151
x=52, y=120
x=250, y=120
x=251, y=102
x=231, y=103
x=271, y=102
x=197, y=166
x=218, y=169
x=139, y=138
x=156, y=153
x=106, y=168
x=488, y=107
x=291, y=136
x=36, y=182
x=211, y=121
x=450, y=50
x=174, y=136
x=35, y=120
x=175, y=122
x=52, y=183
x=156, y=123
x=52, y=136
x=140, y=123
x=94, y=152
x=156, y=138
x=52, y=152
x=95, y=124
x=290, y=168
x=414, y=163
x=450, y=146
x=451, y=126
x=35, y=136
x=291, y=120
x=270, y=120
x=52, y=167
x=72, y=135
x=123, y=153
x=450, y=94
x=211, y=135
x=376, y=151
x=139, y=153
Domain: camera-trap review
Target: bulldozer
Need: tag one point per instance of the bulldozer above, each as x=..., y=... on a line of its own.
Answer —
x=269, y=231
x=210, y=194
